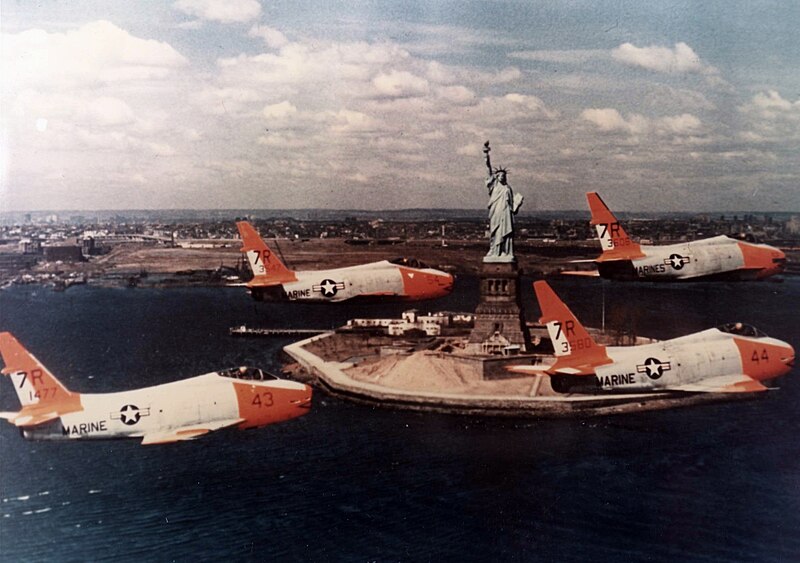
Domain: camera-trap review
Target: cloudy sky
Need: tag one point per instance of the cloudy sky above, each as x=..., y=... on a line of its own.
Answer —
x=661, y=105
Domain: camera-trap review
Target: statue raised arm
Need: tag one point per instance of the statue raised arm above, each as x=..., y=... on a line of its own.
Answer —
x=486, y=150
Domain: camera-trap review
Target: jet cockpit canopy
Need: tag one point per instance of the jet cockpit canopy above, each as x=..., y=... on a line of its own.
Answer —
x=741, y=329
x=248, y=373
x=409, y=262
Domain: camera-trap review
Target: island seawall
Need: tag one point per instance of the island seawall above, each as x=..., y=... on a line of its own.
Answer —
x=453, y=384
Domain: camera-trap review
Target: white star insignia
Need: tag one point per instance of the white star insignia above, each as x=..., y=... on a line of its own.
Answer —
x=129, y=412
x=653, y=368
x=328, y=287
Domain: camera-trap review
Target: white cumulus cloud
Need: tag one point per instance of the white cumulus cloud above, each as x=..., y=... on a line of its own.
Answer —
x=771, y=105
x=676, y=60
x=456, y=94
x=611, y=120
x=513, y=107
x=97, y=52
x=273, y=38
x=106, y=111
x=223, y=11
x=225, y=100
x=683, y=124
x=345, y=121
x=771, y=117
x=399, y=84
x=280, y=110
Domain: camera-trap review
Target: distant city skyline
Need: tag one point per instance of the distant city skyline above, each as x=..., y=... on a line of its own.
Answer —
x=235, y=104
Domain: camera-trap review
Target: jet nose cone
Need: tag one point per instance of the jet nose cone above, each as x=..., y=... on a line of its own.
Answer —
x=787, y=356
x=764, y=260
x=302, y=401
x=442, y=284
x=779, y=260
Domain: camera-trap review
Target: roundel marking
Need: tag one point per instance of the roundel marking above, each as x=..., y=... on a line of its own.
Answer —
x=654, y=368
x=677, y=261
x=130, y=414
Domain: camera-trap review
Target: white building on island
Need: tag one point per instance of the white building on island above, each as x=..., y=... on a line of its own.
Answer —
x=411, y=321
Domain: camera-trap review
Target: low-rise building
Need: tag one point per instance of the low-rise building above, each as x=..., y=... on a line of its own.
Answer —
x=411, y=321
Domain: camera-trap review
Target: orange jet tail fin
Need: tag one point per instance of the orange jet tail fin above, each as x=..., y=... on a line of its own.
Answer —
x=576, y=351
x=43, y=397
x=267, y=267
x=614, y=241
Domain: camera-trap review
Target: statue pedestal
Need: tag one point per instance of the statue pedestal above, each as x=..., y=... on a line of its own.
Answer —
x=499, y=319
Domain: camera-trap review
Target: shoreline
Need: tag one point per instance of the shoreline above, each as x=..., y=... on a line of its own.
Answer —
x=333, y=377
x=149, y=266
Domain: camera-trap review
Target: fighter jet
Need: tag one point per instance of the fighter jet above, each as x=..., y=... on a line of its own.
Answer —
x=716, y=258
x=734, y=358
x=242, y=397
x=403, y=278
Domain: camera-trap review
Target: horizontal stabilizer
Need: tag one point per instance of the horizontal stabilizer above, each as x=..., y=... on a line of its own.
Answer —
x=582, y=273
x=583, y=369
x=739, y=383
x=187, y=432
x=25, y=418
x=530, y=370
x=554, y=369
x=261, y=282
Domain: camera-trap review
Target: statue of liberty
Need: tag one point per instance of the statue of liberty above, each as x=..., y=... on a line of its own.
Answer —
x=503, y=205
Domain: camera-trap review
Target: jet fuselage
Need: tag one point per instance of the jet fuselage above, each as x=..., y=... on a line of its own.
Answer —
x=198, y=404
x=242, y=398
x=716, y=258
x=401, y=278
x=720, y=258
x=695, y=362
x=733, y=358
x=375, y=280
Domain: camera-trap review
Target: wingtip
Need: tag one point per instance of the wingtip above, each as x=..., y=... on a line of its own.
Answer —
x=601, y=213
x=541, y=285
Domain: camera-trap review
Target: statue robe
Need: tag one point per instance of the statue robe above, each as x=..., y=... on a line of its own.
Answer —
x=502, y=206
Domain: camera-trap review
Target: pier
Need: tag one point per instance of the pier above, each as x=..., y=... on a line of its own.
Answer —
x=243, y=330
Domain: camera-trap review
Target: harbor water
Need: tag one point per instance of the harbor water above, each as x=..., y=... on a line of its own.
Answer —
x=720, y=482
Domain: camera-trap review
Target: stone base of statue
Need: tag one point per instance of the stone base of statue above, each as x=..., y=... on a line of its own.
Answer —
x=500, y=326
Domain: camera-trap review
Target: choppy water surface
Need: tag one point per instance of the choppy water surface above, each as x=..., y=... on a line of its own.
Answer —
x=713, y=483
